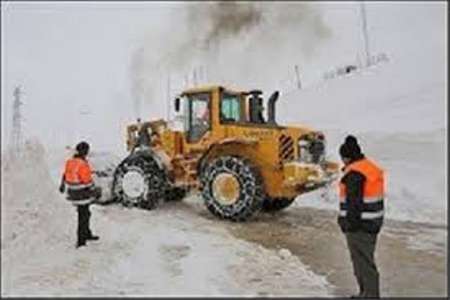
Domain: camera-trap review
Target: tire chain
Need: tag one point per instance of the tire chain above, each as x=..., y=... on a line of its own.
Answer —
x=154, y=177
x=251, y=194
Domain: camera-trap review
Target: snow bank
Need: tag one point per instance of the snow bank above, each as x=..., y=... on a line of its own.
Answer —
x=29, y=196
x=34, y=214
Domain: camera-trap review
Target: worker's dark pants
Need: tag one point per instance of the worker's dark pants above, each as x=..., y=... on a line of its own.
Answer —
x=362, y=251
x=84, y=215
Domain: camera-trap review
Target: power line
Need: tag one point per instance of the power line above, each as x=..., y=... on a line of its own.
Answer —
x=365, y=32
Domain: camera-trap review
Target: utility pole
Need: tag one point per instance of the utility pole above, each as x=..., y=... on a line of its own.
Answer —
x=17, y=122
x=202, y=71
x=297, y=74
x=365, y=32
x=200, y=74
x=195, y=76
x=168, y=98
x=186, y=81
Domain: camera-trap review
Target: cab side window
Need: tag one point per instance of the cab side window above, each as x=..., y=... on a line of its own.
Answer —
x=230, y=108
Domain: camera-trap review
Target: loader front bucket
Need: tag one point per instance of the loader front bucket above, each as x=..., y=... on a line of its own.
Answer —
x=306, y=177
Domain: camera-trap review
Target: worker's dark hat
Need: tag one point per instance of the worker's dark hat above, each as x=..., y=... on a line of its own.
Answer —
x=82, y=148
x=350, y=148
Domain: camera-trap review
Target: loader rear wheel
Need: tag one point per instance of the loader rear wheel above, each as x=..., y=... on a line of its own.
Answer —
x=139, y=181
x=276, y=204
x=232, y=188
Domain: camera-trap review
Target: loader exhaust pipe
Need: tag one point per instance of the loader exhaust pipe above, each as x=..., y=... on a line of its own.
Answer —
x=256, y=107
x=271, y=107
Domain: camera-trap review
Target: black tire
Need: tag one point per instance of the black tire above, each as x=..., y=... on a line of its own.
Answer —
x=251, y=188
x=155, y=181
x=276, y=204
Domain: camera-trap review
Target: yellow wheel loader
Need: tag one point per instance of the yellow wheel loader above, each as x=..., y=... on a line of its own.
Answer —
x=240, y=160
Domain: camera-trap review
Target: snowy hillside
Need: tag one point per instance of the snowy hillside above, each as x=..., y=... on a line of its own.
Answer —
x=400, y=122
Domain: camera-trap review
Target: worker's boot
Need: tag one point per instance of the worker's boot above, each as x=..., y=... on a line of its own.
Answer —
x=80, y=243
x=359, y=296
x=93, y=238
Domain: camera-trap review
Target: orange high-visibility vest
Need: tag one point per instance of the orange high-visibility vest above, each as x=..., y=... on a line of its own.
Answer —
x=373, y=193
x=78, y=174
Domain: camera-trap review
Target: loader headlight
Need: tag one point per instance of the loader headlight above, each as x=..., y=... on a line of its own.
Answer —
x=311, y=150
x=317, y=150
x=303, y=143
x=303, y=151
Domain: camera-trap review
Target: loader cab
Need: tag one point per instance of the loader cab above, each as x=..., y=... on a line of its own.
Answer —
x=206, y=107
x=203, y=107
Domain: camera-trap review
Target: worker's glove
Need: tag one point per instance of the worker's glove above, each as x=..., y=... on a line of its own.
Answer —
x=62, y=187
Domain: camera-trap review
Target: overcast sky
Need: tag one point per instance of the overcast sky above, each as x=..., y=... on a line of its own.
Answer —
x=73, y=59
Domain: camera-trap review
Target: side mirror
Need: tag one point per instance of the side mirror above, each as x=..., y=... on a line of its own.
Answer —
x=177, y=104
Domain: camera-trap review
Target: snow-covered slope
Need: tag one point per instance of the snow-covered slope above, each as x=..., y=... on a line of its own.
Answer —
x=400, y=121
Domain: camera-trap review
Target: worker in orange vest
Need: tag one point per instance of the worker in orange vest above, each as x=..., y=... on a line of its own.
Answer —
x=81, y=190
x=361, y=213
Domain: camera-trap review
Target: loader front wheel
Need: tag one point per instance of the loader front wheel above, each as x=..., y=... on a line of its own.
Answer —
x=276, y=204
x=139, y=181
x=232, y=188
